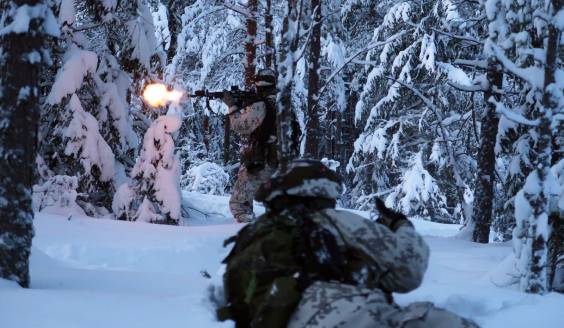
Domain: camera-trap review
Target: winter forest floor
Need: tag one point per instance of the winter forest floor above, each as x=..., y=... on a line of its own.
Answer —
x=103, y=273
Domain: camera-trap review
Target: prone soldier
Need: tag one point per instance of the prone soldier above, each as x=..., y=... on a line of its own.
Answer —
x=305, y=264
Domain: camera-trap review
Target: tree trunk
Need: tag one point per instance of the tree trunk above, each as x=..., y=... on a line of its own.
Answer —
x=483, y=205
x=269, y=35
x=174, y=11
x=312, y=120
x=19, y=114
x=556, y=218
x=250, y=44
x=286, y=66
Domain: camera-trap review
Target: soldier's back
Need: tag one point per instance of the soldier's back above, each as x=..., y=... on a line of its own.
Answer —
x=259, y=281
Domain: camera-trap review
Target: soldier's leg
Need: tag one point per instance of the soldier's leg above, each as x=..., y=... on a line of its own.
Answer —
x=426, y=315
x=332, y=304
x=327, y=303
x=241, y=202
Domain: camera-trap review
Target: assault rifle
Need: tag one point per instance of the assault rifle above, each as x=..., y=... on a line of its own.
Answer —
x=239, y=98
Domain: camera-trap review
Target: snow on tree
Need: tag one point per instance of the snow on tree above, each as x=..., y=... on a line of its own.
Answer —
x=153, y=195
x=527, y=49
x=72, y=144
x=57, y=195
x=104, y=63
x=209, y=55
x=407, y=104
x=418, y=194
x=24, y=28
x=85, y=144
x=206, y=178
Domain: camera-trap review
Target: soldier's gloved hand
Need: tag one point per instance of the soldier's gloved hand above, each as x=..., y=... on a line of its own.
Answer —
x=228, y=99
x=391, y=219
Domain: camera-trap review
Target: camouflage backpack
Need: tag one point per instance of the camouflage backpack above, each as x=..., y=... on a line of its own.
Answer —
x=260, y=274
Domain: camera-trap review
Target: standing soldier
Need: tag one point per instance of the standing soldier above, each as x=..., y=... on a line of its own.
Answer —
x=305, y=264
x=256, y=123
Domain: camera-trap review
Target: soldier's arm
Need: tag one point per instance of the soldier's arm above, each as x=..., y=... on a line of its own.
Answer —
x=403, y=257
x=409, y=252
x=399, y=257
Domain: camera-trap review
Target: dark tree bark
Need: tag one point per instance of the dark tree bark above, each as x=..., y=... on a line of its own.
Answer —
x=19, y=114
x=483, y=205
x=312, y=120
x=250, y=44
x=556, y=218
x=174, y=11
x=269, y=35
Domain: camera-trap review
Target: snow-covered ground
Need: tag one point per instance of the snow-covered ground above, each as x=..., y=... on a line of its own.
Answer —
x=104, y=273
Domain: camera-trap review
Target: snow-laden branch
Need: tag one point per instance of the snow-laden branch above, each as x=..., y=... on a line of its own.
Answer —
x=467, y=88
x=309, y=33
x=512, y=116
x=371, y=46
x=532, y=75
x=472, y=63
x=458, y=37
x=238, y=9
x=460, y=185
x=88, y=27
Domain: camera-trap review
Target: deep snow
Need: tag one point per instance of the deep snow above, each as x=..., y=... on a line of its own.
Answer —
x=103, y=273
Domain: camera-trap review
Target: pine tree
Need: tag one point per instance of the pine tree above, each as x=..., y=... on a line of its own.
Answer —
x=153, y=195
x=21, y=60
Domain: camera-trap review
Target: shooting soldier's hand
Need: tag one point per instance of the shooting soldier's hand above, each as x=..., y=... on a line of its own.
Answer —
x=390, y=218
x=228, y=99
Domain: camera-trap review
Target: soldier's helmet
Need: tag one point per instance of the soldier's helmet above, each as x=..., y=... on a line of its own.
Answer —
x=265, y=78
x=304, y=178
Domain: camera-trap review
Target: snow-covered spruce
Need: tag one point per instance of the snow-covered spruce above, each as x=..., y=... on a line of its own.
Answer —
x=153, y=195
x=407, y=107
x=206, y=178
x=101, y=77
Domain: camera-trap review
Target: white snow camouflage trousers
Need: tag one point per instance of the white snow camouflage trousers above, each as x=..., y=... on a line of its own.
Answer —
x=332, y=304
x=241, y=201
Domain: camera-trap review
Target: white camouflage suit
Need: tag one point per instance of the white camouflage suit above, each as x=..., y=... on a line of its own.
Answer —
x=245, y=122
x=399, y=261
